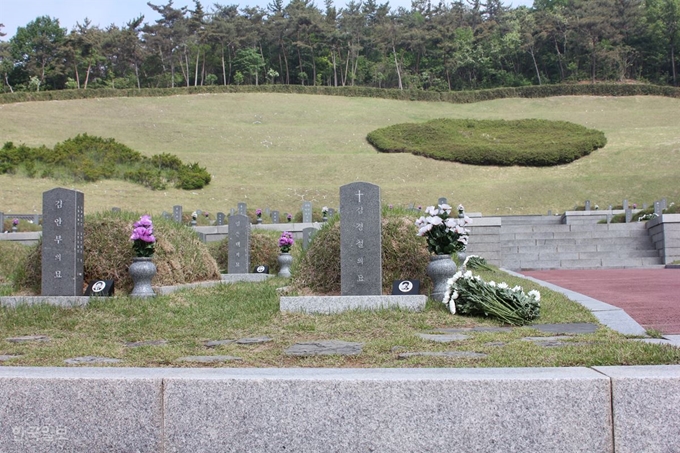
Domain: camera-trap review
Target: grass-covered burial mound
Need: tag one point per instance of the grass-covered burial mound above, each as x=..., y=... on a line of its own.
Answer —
x=528, y=142
x=180, y=257
x=404, y=256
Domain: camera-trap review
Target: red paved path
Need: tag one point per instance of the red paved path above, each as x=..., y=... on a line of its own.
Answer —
x=650, y=296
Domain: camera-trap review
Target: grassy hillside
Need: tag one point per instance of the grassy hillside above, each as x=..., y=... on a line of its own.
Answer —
x=277, y=150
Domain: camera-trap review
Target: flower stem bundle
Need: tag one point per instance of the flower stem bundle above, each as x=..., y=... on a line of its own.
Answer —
x=470, y=295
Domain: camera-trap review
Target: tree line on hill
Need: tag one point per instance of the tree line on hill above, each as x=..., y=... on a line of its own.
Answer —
x=463, y=44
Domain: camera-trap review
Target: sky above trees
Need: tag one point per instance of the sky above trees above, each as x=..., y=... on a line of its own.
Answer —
x=18, y=13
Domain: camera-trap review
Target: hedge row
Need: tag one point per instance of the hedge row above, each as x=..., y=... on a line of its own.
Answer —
x=456, y=97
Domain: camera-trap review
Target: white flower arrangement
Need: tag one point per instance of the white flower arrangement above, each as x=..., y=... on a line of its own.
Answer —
x=468, y=294
x=445, y=235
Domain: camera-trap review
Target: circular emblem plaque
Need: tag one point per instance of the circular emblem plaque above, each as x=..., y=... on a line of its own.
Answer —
x=260, y=269
x=98, y=286
x=405, y=286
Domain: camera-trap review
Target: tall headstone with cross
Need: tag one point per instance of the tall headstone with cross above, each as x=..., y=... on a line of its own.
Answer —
x=62, y=245
x=360, y=240
x=177, y=213
x=307, y=212
x=239, y=244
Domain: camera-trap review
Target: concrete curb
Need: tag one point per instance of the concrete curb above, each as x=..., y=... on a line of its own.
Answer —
x=605, y=409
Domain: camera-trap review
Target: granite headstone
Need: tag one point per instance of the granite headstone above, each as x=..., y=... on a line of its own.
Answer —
x=360, y=240
x=331, y=212
x=307, y=235
x=629, y=215
x=657, y=208
x=587, y=205
x=442, y=200
x=625, y=205
x=177, y=213
x=275, y=216
x=242, y=209
x=307, y=212
x=220, y=219
x=62, y=245
x=239, y=244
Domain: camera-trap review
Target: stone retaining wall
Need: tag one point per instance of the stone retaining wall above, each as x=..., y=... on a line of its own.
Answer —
x=603, y=409
x=665, y=233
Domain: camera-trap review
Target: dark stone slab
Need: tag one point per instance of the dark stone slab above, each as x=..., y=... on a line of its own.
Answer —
x=62, y=244
x=220, y=219
x=444, y=354
x=550, y=342
x=442, y=200
x=239, y=244
x=360, y=240
x=8, y=357
x=472, y=329
x=28, y=338
x=216, y=343
x=208, y=358
x=90, y=359
x=242, y=209
x=307, y=212
x=254, y=340
x=444, y=338
x=275, y=217
x=139, y=344
x=569, y=328
x=331, y=347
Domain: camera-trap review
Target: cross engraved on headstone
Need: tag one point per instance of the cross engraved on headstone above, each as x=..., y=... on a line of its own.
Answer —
x=239, y=244
x=177, y=213
x=360, y=240
x=63, y=239
x=220, y=219
x=307, y=212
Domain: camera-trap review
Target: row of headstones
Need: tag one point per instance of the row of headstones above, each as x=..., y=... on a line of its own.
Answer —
x=659, y=207
x=242, y=210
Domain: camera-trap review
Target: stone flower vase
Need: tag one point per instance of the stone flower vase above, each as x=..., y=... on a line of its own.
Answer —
x=440, y=269
x=142, y=270
x=285, y=260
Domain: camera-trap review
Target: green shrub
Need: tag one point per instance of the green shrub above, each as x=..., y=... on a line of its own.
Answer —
x=180, y=256
x=404, y=256
x=264, y=250
x=529, y=142
x=12, y=258
x=89, y=158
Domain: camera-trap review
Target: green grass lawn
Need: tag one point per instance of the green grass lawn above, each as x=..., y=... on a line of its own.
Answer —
x=276, y=150
x=189, y=318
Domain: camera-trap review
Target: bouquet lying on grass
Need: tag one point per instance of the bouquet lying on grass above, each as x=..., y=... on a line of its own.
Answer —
x=470, y=295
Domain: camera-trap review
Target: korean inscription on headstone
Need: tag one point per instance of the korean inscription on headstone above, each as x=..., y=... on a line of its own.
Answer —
x=177, y=213
x=220, y=219
x=239, y=244
x=62, y=245
x=307, y=212
x=307, y=235
x=275, y=216
x=360, y=240
x=242, y=209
